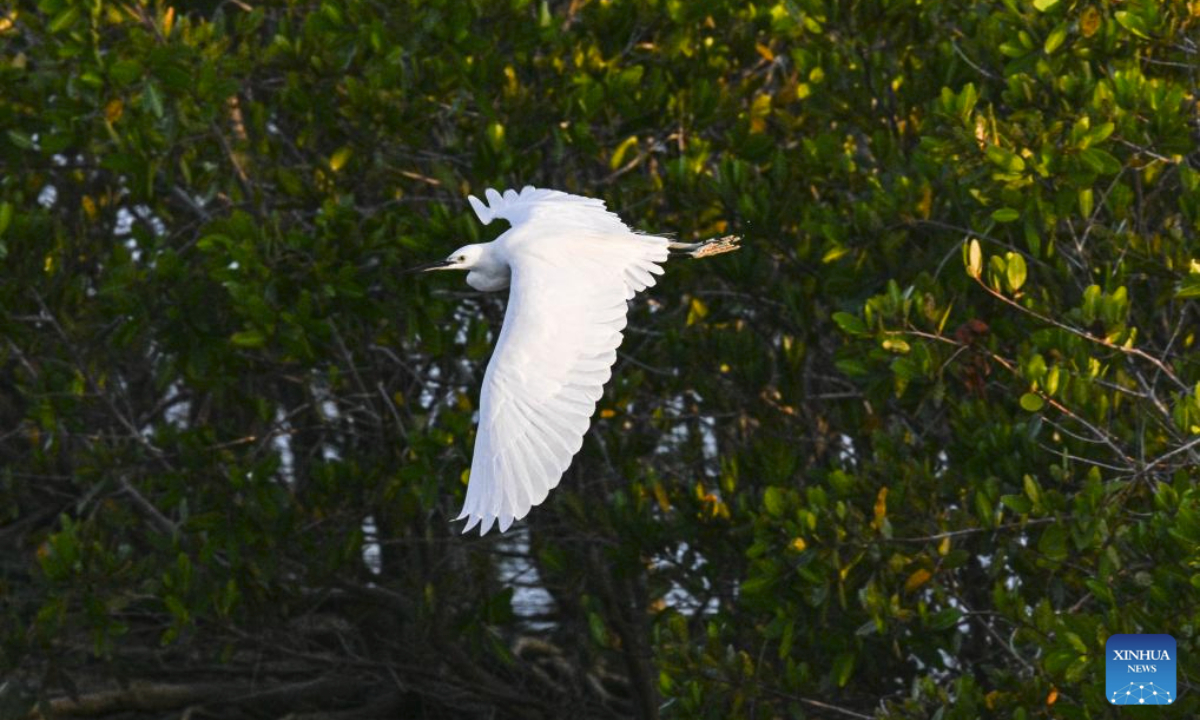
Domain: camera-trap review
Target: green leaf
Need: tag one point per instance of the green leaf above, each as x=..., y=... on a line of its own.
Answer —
x=248, y=339
x=20, y=139
x=1032, y=402
x=1078, y=669
x=1055, y=39
x=1058, y=660
x=598, y=631
x=1099, y=133
x=1100, y=161
x=1044, y=5
x=1035, y=369
x=1006, y=215
x=834, y=253
x=1014, y=270
x=786, y=638
x=340, y=157
x=618, y=155
x=1053, y=542
x=852, y=367
x=1076, y=642
x=1188, y=288
x=774, y=501
x=64, y=19
x=1132, y=22
x=1006, y=159
x=974, y=258
x=177, y=608
x=984, y=509
x=843, y=667
x=1086, y=202
x=850, y=324
x=757, y=584
x=1052, y=377
x=6, y=216
x=152, y=99
x=1033, y=489
x=1017, y=503
x=124, y=72
x=495, y=135
x=945, y=619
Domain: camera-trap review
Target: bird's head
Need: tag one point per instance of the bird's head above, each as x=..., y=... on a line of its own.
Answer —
x=464, y=258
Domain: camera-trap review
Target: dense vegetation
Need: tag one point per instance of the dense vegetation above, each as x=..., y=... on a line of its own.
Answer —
x=916, y=451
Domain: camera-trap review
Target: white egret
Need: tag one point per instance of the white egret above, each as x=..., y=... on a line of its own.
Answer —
x=571, y=266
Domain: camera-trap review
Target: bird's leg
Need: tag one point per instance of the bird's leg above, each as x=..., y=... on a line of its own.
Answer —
x=715, y=246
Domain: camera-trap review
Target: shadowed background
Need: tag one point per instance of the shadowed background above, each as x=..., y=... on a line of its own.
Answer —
x=916, y=451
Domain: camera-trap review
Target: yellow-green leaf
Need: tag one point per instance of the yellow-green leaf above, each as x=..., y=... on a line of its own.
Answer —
x=773, y=500
x=1015, y=270
x=974, y=259
x=1132, y=22
x=1086, y=202
x=1006, y=159
x=619, y=154
x=697, y=310
x=495, y=135
x=843, y=668
x=1052, y=378
x=1055, y=39
x=849, y=323
x=248, y=339
x=64, y=19
x=339, y=158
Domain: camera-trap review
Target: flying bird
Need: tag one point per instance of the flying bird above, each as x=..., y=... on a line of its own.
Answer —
x=571, y=267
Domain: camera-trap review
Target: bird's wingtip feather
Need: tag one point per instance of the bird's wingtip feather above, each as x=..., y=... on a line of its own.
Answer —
x=485, y=526
x=481, y=211
x=471, y=522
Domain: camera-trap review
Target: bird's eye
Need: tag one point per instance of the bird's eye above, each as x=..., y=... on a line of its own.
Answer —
x=462, y=258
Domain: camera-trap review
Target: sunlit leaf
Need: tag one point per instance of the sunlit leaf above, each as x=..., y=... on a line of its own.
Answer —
x=918, y=578
x=974, y=258
x=1015, y=270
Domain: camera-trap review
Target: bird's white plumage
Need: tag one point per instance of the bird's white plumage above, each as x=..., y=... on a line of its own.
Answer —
x=574, y=265
x=549, y=207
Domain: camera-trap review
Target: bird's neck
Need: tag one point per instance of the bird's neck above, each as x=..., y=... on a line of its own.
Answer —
x=490, y=273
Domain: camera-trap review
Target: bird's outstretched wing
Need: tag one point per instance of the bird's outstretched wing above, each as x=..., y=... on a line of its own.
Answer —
x=551, y=208
x=566, y=310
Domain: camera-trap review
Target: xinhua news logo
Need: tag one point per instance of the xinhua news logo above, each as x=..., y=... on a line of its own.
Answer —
x=1140, y=670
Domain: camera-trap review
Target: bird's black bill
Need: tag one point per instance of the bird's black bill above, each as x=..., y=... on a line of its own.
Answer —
x=436, y=264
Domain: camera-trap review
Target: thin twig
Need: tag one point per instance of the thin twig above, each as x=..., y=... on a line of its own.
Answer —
x=164, y=525
x=1136, y=352
x=976, y=531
